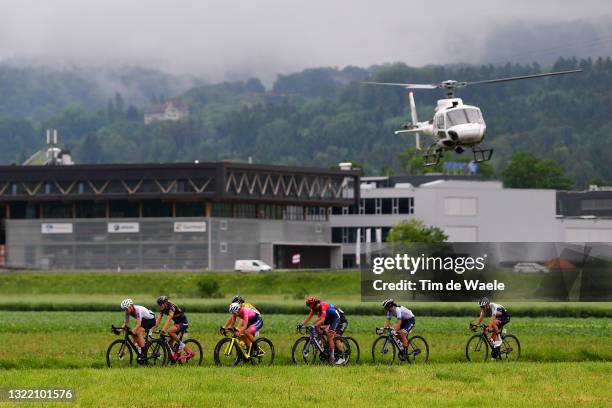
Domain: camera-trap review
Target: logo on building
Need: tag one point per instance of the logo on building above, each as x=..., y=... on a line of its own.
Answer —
x=123, y=227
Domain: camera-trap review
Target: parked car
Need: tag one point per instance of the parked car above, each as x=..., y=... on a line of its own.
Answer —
x=530, y=267
x=251, y=265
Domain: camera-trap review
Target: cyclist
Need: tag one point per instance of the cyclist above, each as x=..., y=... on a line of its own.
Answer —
x=238, y=299
x=145, y=321
x=499, y=318
x=404, y=322
x=328, y=320
x=177, y=315
x=250, y=322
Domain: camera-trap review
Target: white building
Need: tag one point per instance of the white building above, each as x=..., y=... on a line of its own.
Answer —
x=467, y=210
x=171, y=110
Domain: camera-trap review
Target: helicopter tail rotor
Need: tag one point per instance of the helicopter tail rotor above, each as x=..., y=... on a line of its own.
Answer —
x=415, y=119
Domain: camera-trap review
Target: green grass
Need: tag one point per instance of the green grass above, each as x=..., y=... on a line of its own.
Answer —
x=79, y=340
x=283, y=304
x=181, y=283
x=517, y=385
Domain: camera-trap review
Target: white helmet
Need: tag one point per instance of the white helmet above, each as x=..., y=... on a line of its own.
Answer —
x=234, y=307
x=126, y=303
x=483, y=302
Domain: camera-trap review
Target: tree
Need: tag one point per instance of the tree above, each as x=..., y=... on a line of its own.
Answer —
x=526, y=170
x=415, y=230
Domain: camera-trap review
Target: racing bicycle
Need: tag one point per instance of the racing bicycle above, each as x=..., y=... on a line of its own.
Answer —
x=313, y=347
x=477, y=347
x=231, y=351
x=183, y=358
x=121, y=352
x=389, y=346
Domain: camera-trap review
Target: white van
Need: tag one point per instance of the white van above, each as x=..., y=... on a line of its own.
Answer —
x=251, y=265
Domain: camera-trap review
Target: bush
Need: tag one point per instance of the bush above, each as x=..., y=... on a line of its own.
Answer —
x=208, y=288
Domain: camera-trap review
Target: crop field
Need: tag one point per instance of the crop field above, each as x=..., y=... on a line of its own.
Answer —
x=79, y=339
x=56, y=329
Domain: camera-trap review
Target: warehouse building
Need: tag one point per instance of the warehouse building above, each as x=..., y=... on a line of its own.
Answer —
x=170, y=216
x=469, y=210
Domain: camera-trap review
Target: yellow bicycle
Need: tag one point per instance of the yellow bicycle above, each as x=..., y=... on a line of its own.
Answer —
x=231, y=351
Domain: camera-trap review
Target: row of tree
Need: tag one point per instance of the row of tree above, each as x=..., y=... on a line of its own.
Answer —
x=320, y=117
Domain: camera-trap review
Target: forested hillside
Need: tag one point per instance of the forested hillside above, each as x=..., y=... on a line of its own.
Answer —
x=316, y=117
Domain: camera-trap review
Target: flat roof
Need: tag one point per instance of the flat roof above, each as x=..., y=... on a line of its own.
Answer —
x=219, y=181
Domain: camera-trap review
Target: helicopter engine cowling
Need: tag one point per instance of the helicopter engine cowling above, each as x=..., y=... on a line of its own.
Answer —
x=466, y=134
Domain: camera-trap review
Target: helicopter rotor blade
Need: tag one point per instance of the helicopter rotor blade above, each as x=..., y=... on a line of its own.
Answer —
x=516, y=78
x=407, y=86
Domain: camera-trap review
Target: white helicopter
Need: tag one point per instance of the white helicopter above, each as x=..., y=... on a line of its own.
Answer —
x=455, y=125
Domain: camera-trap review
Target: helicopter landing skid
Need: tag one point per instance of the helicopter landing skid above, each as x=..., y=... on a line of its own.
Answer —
x=481, y=155
x=432, y=157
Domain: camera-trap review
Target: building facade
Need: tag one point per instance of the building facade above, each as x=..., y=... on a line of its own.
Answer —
x=170, y=216
x=467, y=209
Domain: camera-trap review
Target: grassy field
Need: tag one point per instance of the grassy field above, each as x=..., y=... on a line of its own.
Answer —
x=79, y=339
x=519, y=385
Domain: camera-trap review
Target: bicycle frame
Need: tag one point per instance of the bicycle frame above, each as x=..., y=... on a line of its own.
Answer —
x=246, y=354
x=314, y=338
x=129, y=342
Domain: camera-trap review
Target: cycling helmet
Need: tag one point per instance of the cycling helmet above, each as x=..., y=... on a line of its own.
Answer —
x=237, y=299
x=311, y=300
x=161, y=300
x=483, y=302
x=126, y=303
x=234, y=307
x=387, y=303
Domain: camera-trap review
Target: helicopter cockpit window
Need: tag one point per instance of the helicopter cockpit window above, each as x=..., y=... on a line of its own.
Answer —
x=440, y=121
x=461, y=116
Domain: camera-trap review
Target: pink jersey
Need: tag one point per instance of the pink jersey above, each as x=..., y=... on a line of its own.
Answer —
x=246, y=314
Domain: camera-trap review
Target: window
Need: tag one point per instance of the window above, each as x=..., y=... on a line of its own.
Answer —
x=293, y=213
x=362, y=206
x=90, y=209
x=245, y=210
x=387, y=206
x=395, y=209
x=370, y=206
x=124, y=209
x=406, y=205
x=189, y=209
x=56, y=210
x=156, y=208
x=440, y=121
x=594, y=205
x=337, y=235
x=223, y=225
x=222, y=210
x=378, y=203
x=460, y=206
x=223, y=247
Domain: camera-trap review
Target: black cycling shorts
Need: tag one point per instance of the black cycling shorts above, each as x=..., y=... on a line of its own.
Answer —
x=332, y=320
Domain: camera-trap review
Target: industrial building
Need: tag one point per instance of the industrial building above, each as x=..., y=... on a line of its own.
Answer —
x=192, y=216
x=469, y=210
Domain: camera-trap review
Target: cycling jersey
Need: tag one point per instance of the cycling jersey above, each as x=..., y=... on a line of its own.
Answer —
x=325, y=309
x=247, y=314
x=250, y=306
x=401, y=313
x=497, y=310
x=175, y=312
x=140, y=313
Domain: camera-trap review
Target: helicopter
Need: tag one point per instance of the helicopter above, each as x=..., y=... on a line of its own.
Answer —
x=455, y=125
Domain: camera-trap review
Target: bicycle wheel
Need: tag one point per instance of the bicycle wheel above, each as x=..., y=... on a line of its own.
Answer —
x=383, y=351
x=510, y=350
x=262, y=352
x=119, y=354
x=418, y=350
x=157, y=353
x=226, y=353
x=197, y=355
x=355, y=350
x=300, y=353
x=477, y=349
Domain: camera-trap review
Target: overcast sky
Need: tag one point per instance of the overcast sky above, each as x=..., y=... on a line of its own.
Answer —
x=231, y=39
